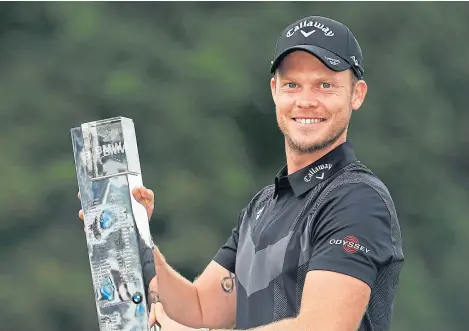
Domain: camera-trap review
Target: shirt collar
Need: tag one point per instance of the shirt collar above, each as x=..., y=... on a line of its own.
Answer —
x=305, y=179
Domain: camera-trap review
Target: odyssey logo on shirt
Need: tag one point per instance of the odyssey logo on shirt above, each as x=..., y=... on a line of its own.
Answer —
x=350, y=244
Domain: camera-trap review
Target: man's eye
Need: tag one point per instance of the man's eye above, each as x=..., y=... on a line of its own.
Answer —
x=291, y=85
x=326, y=85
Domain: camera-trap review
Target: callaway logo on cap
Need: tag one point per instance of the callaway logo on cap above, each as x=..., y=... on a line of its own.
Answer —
x=330, y=41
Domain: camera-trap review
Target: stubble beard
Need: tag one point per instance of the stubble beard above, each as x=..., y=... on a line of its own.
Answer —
x=300, y=148
x=297, y=147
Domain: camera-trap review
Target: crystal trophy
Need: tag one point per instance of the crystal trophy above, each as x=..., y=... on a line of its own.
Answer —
x=116, y=225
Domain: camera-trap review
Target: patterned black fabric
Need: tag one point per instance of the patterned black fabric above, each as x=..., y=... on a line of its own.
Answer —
x=332, y=215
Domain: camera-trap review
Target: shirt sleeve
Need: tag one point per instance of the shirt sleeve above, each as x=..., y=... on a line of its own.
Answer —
x=147, y=262
x=353, y=233
x=226, y=255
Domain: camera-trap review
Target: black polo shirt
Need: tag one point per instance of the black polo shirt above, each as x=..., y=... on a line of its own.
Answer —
x=335, y=215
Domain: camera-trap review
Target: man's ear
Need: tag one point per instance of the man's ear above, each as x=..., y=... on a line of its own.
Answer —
x=359, y=93
x=273, y=86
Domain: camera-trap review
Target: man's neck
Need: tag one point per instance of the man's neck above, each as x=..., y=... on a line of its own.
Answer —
x=297, y=161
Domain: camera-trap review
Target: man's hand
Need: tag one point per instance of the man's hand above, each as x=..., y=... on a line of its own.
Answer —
x=144, y=196
x=158, y=316
x=80, y=213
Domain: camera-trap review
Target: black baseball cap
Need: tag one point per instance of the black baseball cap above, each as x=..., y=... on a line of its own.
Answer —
x=330, y=41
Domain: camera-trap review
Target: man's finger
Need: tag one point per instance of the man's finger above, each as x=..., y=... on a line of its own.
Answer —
x=80, y=214
x=148, y=194
x=142, y=193
x=78, y=195
x=148, y=199
x=156, y=315
x=136, y=192
x=160, y=314
x=152, y=316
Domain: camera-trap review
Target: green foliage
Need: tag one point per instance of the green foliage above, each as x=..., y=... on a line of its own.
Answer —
x=194, y=78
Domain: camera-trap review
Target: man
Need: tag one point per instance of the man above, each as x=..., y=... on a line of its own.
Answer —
x=320, y=248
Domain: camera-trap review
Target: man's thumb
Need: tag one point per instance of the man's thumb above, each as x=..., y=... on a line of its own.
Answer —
x=159, y=311
x=158, y=257
x=157, y=314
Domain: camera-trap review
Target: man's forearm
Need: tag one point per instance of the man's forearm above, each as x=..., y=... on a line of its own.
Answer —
x=289, y=324
x=177, y=294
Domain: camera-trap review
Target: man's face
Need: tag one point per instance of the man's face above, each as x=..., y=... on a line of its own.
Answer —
x=313, y=103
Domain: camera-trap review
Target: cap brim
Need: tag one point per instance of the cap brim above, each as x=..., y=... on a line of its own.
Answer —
x=330, y=59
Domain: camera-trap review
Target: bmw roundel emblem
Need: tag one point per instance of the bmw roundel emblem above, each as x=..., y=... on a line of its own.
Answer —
x=137, y=298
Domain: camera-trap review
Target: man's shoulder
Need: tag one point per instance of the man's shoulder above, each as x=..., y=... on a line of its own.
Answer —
x=356, y=175
x=358, y=196
x=356, y=186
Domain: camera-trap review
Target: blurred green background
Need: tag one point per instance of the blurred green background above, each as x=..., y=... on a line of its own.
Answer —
x=194, y=77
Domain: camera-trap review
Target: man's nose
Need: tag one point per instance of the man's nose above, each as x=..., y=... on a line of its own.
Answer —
x=307, y=99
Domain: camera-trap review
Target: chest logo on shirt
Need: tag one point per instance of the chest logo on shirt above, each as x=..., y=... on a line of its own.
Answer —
x=315, y=170
x=350, y=244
